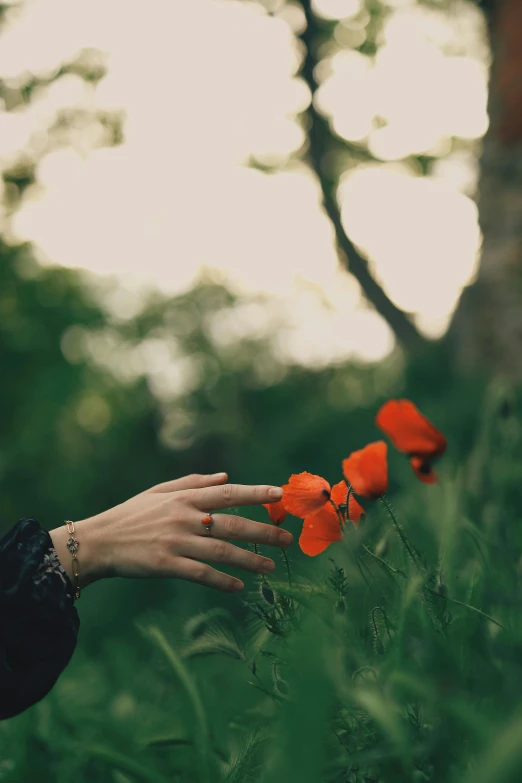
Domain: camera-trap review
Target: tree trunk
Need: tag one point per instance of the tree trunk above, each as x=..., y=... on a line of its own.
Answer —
x=487, y=328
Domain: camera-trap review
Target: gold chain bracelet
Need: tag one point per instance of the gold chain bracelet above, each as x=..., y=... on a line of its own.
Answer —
x=73, y=545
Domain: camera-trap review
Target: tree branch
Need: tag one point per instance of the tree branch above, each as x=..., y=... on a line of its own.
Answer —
x=321, y=139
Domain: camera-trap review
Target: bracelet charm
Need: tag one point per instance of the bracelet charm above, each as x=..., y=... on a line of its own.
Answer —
x=73, y=545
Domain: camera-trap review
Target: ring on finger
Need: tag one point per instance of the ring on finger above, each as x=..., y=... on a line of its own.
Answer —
x=208, y=521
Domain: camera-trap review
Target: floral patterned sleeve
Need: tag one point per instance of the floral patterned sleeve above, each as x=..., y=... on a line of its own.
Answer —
x=38, y=621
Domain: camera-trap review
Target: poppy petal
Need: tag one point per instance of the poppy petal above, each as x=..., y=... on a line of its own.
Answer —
x=355, y=510
x=410, y=431
x=276, y=511
x=423, y=470
x=367, y=470
x=319, y=531
x=339, y=493
x=305, y=494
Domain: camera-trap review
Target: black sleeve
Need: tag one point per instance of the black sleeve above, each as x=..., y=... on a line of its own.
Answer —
x=38, y=621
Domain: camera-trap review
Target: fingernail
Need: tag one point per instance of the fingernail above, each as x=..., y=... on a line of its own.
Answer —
x=218, y=475
x=237, y=587
x=275, y=492
x=285, y=537
x=268, y=566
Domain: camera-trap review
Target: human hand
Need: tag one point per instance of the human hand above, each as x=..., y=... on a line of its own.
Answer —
x=159, y=533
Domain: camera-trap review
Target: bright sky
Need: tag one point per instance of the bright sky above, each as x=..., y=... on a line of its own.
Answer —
x=207, y=84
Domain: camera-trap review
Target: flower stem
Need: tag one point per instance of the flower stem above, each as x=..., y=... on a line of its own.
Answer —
x=359, y=566
x=261, y=685
x=467, y=606
x=338, y=513
x=399, y=530
x=287, y=564
x=385, y=618
x=384, y=563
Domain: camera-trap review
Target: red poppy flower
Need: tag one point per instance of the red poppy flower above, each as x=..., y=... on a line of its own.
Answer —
x=367, y=470
x=320, y=530
x=339, y=495
x=305, y=494
x=276, y=511
x=413, y=434
x=423, y=470
x=324, y=527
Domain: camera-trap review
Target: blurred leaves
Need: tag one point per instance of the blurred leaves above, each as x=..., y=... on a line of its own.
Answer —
x=243, y=764
x=214, y=641
x=201, y=732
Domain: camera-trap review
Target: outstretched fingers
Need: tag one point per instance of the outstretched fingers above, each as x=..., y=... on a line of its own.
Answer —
x=216, y=550
x=237, y=528
x=228, y=495
x=194, y=481
x=203, y=574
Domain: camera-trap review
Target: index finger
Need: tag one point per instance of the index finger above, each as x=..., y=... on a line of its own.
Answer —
x=228, y=495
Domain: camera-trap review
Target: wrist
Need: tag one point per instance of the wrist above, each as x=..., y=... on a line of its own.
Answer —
x=91, y=565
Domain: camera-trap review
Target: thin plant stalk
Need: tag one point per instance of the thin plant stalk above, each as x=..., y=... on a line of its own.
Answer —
x=383, y=562
x=399, y=530
x=287, y=564
x=261, y=686
x=467, y=606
